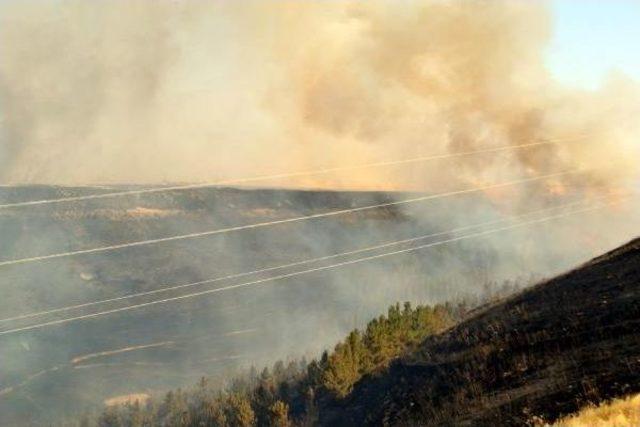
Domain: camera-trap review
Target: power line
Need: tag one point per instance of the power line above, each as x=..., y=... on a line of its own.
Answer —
x=298, y=273
x=284, y=266
x=285, y=175
x=283, y=221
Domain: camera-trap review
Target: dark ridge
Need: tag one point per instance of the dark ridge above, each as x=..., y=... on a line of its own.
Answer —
x=545, y=352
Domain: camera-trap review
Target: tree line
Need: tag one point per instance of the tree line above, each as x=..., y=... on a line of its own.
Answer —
x=288, y=394
x=291, y=394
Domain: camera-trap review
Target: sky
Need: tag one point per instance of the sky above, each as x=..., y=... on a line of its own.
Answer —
x=74, y=74
x=593, y=37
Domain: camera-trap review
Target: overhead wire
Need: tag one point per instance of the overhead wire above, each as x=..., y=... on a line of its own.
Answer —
x=286, y=220
x=299, y=273
x=284, y=266
x=271, y=177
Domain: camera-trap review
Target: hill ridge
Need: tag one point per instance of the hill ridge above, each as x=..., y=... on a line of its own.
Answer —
x=544, y=352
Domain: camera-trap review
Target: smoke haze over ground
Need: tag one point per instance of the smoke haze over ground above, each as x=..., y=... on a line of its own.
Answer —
x=140, y=93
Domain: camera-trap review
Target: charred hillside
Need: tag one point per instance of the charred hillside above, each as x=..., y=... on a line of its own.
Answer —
x=545, y=352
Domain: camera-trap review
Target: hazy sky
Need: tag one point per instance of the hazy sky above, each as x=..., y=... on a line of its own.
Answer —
x=95, y=92
x=591, y=37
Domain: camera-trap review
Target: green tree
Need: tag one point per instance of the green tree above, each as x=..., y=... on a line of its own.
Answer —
x=174, y=410
x=135, y=415
x=110, y=417
x=292, y=391
x=346, y=365
x=279, y=414
x=240, y=413
x=212, y=412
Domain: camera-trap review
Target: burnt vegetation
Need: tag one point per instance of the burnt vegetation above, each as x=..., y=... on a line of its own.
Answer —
x=291, y=393
x=538, y=355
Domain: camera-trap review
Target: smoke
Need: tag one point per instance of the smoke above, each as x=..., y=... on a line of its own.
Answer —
x=148, y=92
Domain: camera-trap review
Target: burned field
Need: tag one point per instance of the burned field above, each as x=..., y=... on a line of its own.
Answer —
x=544, y=353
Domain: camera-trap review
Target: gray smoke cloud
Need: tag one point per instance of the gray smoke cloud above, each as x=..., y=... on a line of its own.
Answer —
x=148, y=92
x=145, y=92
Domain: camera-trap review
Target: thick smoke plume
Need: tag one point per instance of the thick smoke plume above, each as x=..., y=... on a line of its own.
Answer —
x=149, y=92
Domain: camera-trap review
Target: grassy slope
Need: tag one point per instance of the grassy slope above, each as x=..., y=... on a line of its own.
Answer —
x=617, y=413
x=545, y=352
x=533, y=358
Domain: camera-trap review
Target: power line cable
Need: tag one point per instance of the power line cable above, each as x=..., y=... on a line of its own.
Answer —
x=295, y=274
x=284, y=266
x=283, y=221
x=286, y=175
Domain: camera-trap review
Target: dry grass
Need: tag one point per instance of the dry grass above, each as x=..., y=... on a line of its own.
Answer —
x=617, y=413
x=127, y=399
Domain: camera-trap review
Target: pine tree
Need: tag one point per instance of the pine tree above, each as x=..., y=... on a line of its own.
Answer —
x=213, y=413
x=175, y=410
x=275, y=397
x=279, y=414
x=110, y=417
x=310, y=409
x=135, y=415
x=345, y=365
x=240, y=413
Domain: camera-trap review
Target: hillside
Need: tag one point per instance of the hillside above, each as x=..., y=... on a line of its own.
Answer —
x=59, y=371
x=546, y=352
x=560, y=346
x=66, y=369
x=615, y=413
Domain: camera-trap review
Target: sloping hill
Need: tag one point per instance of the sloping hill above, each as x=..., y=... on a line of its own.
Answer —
x=546, y=352
x=172, y=345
